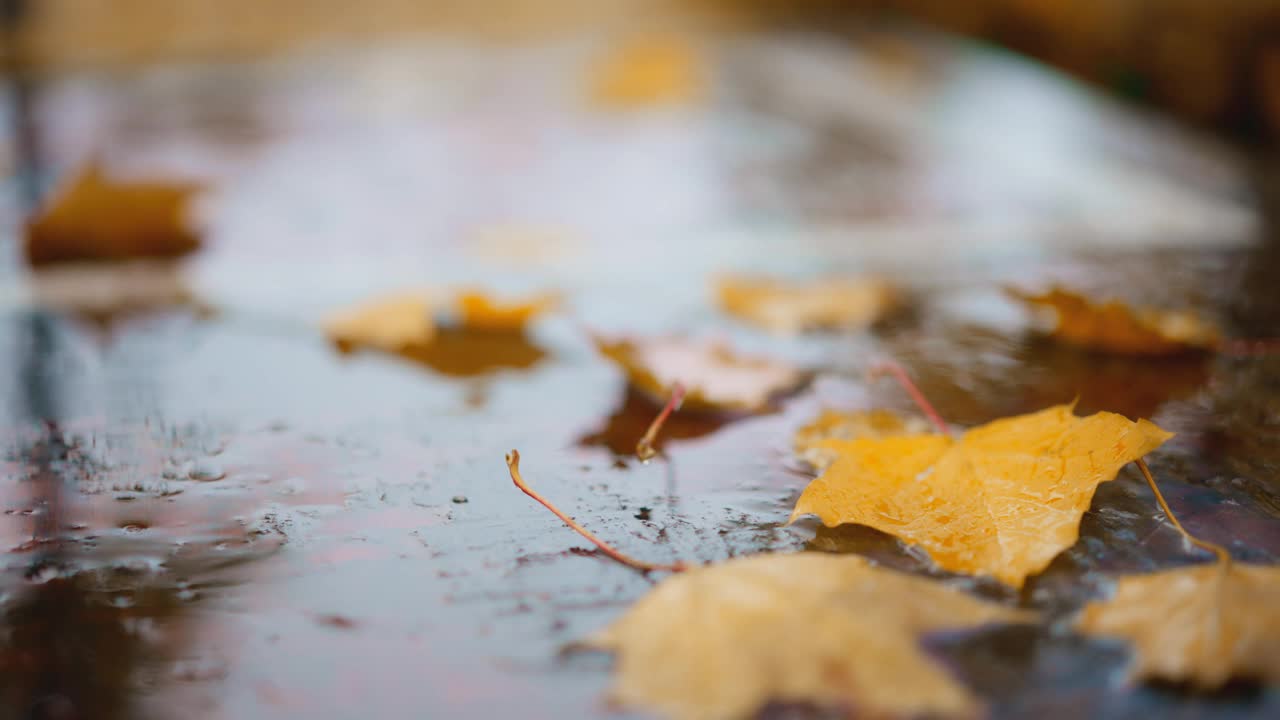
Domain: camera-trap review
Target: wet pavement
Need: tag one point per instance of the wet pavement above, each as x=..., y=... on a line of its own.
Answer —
x=219, y=515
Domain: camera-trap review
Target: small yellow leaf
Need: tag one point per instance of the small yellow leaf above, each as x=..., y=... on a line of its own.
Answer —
x=1115, y=327
x=789, y=308
x=715, y=378
x=478, y=312
x=391, y=323
x=645, y=71
x=97, y=218
x=1203, y=625
x=809, y=441
x=1003, y=500
x=719, y=642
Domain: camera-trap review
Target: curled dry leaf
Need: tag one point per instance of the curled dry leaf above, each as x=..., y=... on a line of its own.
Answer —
x=1115, y=327
x=97, y=218
x=789, y=308
x=1203, y=625
x=648, y=70
x=714, y=378
x=809, y=441
x=833, y=630
x=1002, y=500
x=392, y=324
x=477, y=311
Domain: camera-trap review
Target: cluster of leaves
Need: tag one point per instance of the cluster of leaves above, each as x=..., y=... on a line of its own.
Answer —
x=1000, y=500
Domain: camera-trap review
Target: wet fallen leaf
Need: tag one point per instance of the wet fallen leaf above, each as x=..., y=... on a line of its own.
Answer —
x=789, y=308
x=1002, y=500
x=649, y=70
x=714, y=376
x=97, y=218
x=1203, y=625
x=1116, y=327
x=836, y=631
x=390, y=323
x=809, y=439
x=477, y=311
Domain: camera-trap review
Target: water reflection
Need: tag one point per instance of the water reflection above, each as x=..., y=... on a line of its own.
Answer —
x=462, y=352
x=628, y=423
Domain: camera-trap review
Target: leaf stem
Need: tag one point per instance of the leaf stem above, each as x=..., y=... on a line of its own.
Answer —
x=1216, y=549
x=513, y=464
x=644, y=448
x=900, y=374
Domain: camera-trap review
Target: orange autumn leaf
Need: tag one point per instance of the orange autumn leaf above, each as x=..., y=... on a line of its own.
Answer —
x=478, y=311
x=835, y=631
x=792, y=307
x=97, y=218
x=646, y=71
x=714, y=377
x=392, y=323
x=809, y=441
x=1002, y=500
x=1202, y=625
x=1116, y=327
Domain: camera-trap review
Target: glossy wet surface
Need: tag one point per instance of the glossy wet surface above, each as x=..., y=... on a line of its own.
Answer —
x=219, y=515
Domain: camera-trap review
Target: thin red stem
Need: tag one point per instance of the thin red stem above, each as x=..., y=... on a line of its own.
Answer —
x=1216, y=549
x=918, y=397
x=644, y=448
x=513, y=464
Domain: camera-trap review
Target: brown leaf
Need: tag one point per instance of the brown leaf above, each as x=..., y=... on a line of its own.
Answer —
x=392, y=323
x=789, y=308
x=1003, y=500
x=1203, y=625
x=1115, y=327
x=716, y=379
x=97, y=218
x=722, y=641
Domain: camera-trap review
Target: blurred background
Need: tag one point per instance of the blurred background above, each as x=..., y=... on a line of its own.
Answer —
x=1214, y=63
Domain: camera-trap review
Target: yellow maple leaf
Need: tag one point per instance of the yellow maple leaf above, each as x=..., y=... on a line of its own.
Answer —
x=809, y=440
x=720, y=642
x=1115, y=327
x=1002, y=500
x=647, y=70
x=392, y=323
x=714, y=377
x=478, y=311
x=789, y=308
x=97, y=218
x=1204, y=625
